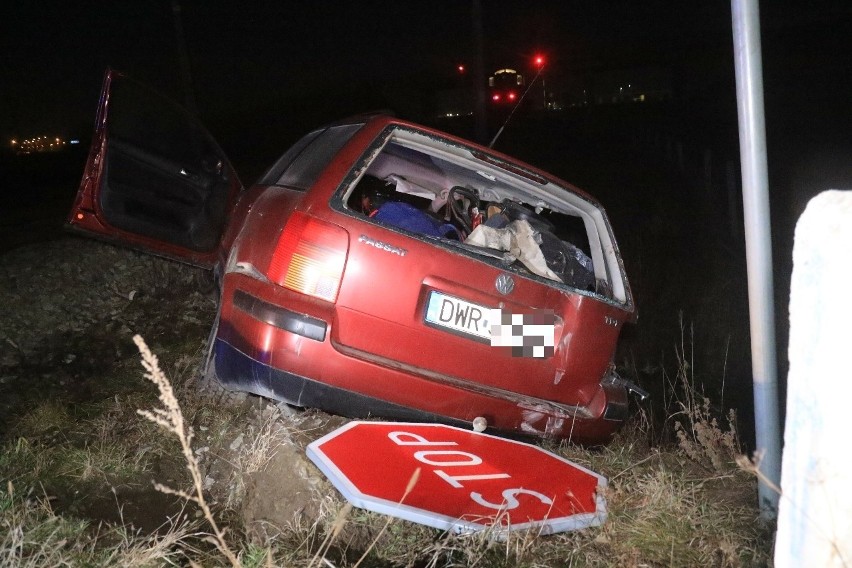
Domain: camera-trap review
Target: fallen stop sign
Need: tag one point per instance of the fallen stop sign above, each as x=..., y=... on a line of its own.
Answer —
x=468, y=481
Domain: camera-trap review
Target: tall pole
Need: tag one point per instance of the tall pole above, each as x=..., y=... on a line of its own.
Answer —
x=752, y=130
x=183, y=57
x=480, y=123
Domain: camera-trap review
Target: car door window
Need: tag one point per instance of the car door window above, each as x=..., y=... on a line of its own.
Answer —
x=300, y=166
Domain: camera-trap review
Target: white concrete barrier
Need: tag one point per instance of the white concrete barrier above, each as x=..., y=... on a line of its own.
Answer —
x=815, y=509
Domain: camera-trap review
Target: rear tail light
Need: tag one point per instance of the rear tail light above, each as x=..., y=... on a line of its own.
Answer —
x=310, y=257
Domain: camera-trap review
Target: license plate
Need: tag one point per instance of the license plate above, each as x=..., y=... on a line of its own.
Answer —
x=459, y=315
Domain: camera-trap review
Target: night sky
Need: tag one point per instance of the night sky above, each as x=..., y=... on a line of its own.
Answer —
x=265, y=71
x=257, y=54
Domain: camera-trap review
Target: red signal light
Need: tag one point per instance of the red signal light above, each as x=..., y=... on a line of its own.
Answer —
x=538, y=61
x=512, y=96
x=495, y=97
x=461, y=69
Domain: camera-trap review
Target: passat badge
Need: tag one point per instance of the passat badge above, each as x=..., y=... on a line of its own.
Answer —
x=504, y=284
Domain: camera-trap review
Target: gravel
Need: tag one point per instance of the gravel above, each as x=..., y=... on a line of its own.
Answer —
x=70, y=307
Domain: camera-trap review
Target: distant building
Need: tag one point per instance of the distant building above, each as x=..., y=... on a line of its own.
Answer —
x=634, y=85
x=556, y=89
x=39, y=144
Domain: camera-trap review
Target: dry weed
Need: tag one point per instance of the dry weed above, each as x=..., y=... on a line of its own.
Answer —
x=32, y=535
x=251, y=451
x=700, y=435
x=170, y=418
x=706, y=442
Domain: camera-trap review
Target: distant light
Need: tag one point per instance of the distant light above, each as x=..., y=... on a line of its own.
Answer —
x=461, y=68
x=74, y=141
x=14, y=142
x=495, y=97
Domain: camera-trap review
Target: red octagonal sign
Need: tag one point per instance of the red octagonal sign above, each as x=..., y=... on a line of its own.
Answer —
x=467, y=481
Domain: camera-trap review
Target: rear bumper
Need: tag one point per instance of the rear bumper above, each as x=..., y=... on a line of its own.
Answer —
x=315, y=374
x=238, y=371
x=289, y=354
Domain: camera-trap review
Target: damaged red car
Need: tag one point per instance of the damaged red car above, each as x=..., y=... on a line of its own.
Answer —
x=378, y=268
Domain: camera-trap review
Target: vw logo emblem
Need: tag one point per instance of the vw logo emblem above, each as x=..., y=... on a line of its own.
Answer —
x=504, y=284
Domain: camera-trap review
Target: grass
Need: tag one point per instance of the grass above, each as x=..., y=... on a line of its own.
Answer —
x=675, y=498
x=32, y=534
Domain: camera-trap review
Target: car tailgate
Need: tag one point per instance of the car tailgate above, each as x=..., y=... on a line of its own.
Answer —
x=382, y=307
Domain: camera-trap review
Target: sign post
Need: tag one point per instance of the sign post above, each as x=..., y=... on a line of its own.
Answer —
x=468, y=481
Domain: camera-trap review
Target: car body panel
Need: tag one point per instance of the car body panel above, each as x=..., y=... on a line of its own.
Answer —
x=328, y=264
x=393, y=308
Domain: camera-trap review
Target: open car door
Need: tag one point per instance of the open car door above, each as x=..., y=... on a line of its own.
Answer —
x=154, y=179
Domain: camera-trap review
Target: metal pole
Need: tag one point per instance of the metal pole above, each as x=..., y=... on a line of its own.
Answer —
x=479, y=117
x=183, y=57
x=752, y=129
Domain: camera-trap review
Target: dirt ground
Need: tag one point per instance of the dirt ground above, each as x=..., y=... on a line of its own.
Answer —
x=68, y=311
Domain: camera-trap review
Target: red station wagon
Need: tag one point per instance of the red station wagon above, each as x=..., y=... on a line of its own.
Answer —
x=378, y=268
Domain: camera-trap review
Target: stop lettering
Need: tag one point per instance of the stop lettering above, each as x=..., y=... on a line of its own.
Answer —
x=468, y=481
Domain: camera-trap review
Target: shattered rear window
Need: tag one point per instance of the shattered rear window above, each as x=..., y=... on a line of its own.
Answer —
x=499, y=211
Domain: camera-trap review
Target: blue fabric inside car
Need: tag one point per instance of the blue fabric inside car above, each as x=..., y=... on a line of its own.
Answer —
x=406, y=216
